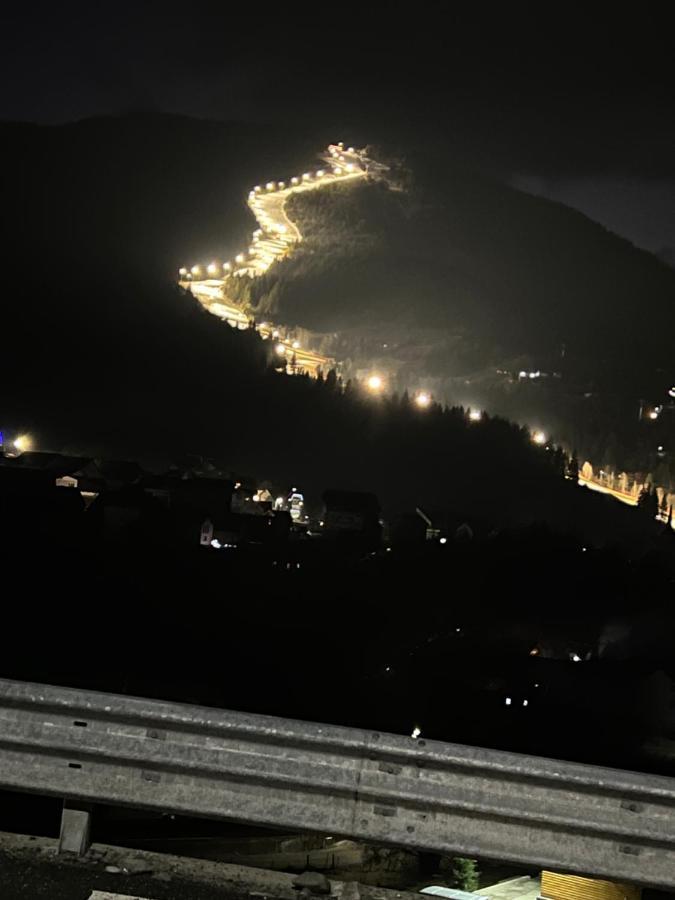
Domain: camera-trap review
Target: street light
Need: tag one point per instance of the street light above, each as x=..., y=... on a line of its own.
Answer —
x=196, y=270
x=23, y=443
x=212, y=268
x=182, y=271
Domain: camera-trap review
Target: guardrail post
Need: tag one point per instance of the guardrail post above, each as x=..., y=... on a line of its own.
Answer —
x=75, y=827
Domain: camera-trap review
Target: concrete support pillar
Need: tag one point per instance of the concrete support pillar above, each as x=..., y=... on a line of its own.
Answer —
x=75, y=827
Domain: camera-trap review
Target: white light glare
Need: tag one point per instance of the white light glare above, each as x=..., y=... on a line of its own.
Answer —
x=416, y=732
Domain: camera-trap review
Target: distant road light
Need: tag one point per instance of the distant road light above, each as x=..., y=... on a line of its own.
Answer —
x=257, y=188
x=350, y=167
x=475, y=415
x=350, y=149
x=270, y=185
x=423, y=400
x=539, y=437
x=296, y=345
x=23, y=443
x=196, y=270
x=375, y=383
x=320, y=173
x=227, y=266
x=239, y=258
x=182, y=271
x=306, y=176
x=294, y=180
x=337, y=170
x=281, y=350
x=212, y=268
x=282, y=185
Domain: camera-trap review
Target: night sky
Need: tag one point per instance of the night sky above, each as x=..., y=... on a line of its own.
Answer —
x=578, y=108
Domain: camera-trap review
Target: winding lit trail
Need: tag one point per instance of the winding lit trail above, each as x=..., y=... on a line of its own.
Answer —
x=271, y=241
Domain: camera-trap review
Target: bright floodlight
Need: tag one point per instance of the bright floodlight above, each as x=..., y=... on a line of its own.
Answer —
x=475, y=415
x=375, y=383
x=196, y=270
x=23, y=443
x=539, y=437
x=212, y=269
x=423, y=399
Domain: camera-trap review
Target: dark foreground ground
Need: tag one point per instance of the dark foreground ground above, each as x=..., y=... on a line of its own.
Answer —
x=30, y=868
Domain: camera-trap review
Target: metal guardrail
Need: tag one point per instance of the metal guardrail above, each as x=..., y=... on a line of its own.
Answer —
x=426, y=795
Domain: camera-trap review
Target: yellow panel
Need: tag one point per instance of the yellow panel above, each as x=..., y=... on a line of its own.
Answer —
x=573, y=887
